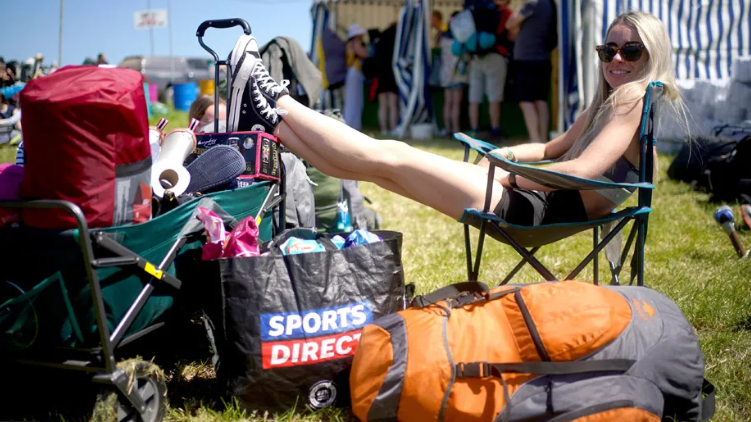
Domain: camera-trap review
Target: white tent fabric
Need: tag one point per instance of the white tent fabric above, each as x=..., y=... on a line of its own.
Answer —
x=411, y=64
x=707, y=37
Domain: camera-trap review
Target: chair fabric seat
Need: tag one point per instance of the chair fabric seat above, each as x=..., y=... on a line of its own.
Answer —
x=533, y=236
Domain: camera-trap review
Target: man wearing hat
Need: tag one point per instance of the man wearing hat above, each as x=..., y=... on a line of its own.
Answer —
x=353, y=90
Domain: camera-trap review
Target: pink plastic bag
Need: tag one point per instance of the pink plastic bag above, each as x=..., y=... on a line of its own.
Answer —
x=215, y=234
x=243, y=241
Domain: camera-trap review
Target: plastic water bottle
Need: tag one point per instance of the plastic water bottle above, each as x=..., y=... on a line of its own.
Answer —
x=343, y=222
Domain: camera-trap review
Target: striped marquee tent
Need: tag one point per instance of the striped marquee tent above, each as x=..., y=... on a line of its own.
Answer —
x=706, y=36
x=412, y=64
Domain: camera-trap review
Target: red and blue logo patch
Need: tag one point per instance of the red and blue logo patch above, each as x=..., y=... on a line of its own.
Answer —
x=312, y=336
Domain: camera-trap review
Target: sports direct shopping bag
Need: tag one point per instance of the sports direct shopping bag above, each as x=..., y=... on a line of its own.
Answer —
x=290, y=321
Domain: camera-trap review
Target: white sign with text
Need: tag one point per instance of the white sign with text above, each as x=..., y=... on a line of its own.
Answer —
x=156, y=18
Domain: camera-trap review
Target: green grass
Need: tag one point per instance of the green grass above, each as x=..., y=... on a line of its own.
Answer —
x=176, y=119
x=7, y=154
x=689, y=259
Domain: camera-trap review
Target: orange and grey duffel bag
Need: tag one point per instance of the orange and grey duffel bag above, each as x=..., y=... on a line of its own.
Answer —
x=560, y=351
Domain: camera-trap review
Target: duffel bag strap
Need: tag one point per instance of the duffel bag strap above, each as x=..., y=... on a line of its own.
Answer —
x=708, y=402
x=486, y=369
x=473, y=288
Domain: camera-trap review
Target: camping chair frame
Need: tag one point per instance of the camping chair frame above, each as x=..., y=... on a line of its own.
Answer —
x=491, y=224
x=100, y=360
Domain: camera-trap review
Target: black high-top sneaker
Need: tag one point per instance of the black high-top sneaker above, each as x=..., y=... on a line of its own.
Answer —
x=259, y=111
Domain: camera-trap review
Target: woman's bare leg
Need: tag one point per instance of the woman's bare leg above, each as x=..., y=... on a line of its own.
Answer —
x=457, y=111
x=393, y=100
x=446, y=185
x=297, y=146
x=448, y=106
x=383, y=112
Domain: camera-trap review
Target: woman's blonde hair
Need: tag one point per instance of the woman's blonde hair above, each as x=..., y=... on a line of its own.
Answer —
x=658, y=67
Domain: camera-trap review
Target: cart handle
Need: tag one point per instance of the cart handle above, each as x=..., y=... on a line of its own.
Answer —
x=221, y=24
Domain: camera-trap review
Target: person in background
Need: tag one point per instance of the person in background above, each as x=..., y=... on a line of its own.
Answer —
x=536, y=38
x=436, y=23
x=388, y=98
x=8, y=75
x=487, y=70
x=204, y=110
x=454, y=80
x=10, y=122
x=100, y=59
x=38, y=63
x=354, y=84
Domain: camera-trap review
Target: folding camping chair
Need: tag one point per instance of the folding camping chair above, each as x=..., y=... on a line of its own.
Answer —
x=527, y=240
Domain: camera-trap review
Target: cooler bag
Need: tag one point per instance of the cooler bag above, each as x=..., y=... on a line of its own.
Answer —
x=288, y=326
x=86, y=140
x=260, y=150
x=561, y=351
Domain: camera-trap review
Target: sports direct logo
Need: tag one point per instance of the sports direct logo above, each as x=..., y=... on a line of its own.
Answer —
x=308, y=337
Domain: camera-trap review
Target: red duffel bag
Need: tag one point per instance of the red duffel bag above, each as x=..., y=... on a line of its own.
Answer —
x=86, y=137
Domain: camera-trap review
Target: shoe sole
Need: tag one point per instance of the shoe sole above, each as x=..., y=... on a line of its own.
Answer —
x=241, y=69
x=218, y=166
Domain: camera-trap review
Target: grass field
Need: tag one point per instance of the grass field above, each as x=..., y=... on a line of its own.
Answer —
x=689, y=259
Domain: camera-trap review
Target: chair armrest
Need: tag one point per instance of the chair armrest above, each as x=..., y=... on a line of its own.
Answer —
x=555, y=180
x=481, y=147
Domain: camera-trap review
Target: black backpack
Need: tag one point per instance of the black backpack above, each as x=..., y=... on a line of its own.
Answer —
x=718, y=165
x=729, y=175
x=691, y=161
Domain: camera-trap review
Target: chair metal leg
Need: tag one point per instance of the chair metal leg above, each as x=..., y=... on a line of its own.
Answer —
x=616, y=271
x=518, y=267
x=534, y=262
x=640, y=240
x=598, y=248
x=468, y=250
x=478, y=256
x=595, y=261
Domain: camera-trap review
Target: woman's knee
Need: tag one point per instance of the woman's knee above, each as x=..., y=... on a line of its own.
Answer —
x=393, y=153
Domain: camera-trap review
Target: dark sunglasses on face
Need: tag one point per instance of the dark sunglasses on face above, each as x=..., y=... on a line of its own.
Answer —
x=630, y=52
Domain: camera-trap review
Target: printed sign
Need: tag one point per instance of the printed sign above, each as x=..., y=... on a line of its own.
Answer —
x=155, y=18
x=317, y=335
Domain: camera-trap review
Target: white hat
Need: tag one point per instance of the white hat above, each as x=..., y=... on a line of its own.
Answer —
x=355, y=30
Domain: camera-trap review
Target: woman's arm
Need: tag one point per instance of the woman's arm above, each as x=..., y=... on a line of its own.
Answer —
x=15, y=119
x=540, y=151
x=609, y=145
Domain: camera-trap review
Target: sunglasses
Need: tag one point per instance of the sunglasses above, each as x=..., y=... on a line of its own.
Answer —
x=630, y=52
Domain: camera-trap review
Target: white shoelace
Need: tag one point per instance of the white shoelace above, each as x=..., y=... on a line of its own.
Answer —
x=268, y=84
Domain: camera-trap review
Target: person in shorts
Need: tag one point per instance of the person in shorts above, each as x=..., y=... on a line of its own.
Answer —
x=532, y=65
x=487, y=74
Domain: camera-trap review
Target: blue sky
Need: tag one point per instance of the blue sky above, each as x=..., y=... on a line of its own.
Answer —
x=106, y=26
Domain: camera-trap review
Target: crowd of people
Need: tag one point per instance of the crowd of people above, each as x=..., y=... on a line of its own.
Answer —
x=505, y=42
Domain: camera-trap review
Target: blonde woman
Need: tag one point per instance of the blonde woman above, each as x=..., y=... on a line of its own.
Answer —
x=603, y=142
